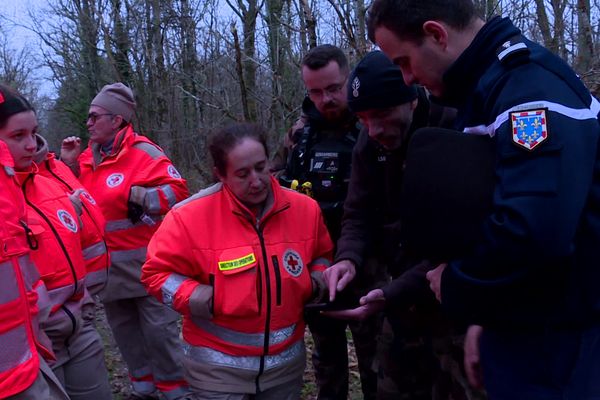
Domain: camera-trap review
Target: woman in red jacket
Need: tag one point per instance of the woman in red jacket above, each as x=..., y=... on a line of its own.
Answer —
x=240, y=260
x=58, y=256
x=24, y=374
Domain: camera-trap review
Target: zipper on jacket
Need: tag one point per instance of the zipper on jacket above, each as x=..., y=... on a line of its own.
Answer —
x=277, y=279
x=84, y=207
x=268, y=310
x=211, y=282
x=259, y=290
x=58, y=238
x=73, y=323
x=31, y=240
x=56, y=176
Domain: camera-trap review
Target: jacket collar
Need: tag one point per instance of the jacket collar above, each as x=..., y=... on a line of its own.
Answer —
x=22, y=176
x=463, y=75
x=275, y=203
x=41, y=151
x=124, y=137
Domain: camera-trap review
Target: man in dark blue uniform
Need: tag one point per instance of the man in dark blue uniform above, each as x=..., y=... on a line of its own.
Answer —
x=419, y=353
x=532, y=280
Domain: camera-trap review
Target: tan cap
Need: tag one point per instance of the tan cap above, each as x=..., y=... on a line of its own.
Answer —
x=116, y=98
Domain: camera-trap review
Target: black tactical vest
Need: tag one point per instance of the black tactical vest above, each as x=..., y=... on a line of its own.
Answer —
x=322, y=160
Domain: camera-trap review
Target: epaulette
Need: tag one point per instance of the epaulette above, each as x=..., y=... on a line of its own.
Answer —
x=513, y=47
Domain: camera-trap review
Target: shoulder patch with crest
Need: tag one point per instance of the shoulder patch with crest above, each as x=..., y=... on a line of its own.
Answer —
x=173, y=173
x=115, y=180
x=67, y=220
x=292, y=262
x=529, y=128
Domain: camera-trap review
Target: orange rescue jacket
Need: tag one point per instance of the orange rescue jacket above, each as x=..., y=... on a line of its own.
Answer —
x=260, y=270
x=59, y=258
x=20, y=289
x=95, y=251
x=133, y=161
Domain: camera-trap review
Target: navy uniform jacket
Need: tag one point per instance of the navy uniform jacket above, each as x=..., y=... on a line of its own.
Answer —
x=538, y=263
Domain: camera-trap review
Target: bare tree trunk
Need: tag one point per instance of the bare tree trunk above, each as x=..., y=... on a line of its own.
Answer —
x=558, y=8
x=248, y=14
x=585, y=40
x=240, y=72
x=89, y=36
x=544, y=25
x=310, y=24
x=122, y=65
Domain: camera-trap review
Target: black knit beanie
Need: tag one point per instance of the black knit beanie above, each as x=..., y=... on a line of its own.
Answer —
x=376, y=83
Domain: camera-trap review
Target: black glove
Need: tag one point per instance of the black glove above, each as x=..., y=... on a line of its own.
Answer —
x=134, y=212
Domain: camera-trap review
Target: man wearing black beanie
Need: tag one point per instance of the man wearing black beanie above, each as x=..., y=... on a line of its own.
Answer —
x=316, y=158
x=390, y=112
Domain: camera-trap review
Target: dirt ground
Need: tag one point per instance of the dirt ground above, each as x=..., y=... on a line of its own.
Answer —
x=120, y=382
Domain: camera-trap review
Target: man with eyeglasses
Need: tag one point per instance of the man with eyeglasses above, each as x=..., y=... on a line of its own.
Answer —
x=135, y=185
x=316, y=159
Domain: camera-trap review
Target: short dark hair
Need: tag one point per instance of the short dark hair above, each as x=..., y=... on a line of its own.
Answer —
x=11, y=103
x=226, y=138
x=405, y=18
x=318, y=57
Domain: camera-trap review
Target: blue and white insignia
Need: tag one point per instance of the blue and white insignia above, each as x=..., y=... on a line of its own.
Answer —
x=529, y=128
x=67, y=220
x=355, y=86
x=514, y=45
x=292, y=262
x=115, y=180
x=173, y=173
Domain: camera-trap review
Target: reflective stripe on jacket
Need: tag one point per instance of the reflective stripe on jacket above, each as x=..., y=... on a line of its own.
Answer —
x=19, y=362
x=259, y=270
x=95, y=251
x=58, y=256
x=134, y=161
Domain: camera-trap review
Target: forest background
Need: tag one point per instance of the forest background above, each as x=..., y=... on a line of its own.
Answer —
x=195, y=65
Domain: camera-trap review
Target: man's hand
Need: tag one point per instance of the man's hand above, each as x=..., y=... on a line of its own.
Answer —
x=472, y=358
x=70, y=150
x=371, y=303
x=338, y=276
x=435, y=279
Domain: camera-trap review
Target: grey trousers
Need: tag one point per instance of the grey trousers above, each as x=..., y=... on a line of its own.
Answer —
x=45, y=387
x=286, y=391
x=80, y=367
x=147, y=334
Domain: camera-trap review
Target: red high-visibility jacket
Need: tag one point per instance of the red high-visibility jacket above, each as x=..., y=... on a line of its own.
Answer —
x=19, y=287
x=95, y=251
x=59, y=258
x=133, y=161
x=260, y=270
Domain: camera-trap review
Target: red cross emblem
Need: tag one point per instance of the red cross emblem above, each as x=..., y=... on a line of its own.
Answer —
x=293, y=262
x=67, y=220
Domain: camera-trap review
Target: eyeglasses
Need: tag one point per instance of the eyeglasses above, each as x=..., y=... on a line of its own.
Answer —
x=94, y=117
x=329, y=90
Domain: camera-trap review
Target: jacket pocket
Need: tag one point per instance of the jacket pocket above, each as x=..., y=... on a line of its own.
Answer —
x=236, y=288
